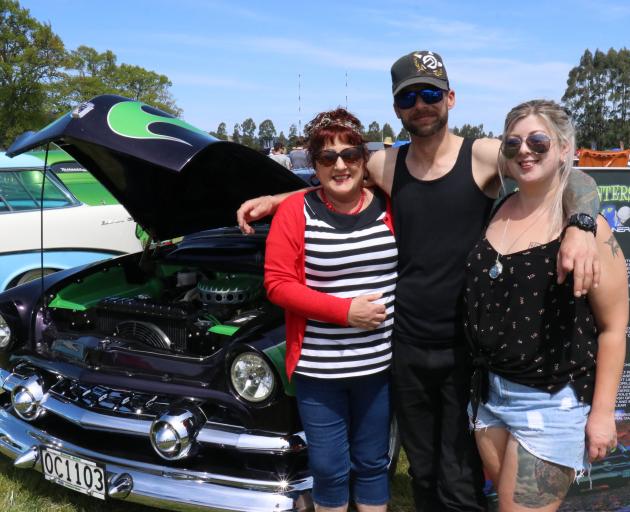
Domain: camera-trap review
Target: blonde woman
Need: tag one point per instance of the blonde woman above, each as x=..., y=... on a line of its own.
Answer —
x=547, y=364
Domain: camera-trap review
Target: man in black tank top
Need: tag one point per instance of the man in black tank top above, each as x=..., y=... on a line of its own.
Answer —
x=442, y=188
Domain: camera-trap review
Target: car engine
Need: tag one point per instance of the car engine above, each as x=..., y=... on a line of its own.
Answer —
x=186, y=311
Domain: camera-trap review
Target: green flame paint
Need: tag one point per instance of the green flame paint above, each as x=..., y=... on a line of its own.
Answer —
x=128, y=119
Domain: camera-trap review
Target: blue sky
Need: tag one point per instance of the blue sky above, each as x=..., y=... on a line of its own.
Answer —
x=230, y=59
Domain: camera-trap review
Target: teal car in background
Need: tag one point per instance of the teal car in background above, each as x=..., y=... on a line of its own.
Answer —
x=75, y=234
x=79, y=181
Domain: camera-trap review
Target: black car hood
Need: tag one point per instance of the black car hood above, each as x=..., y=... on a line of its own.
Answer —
x=173, y=178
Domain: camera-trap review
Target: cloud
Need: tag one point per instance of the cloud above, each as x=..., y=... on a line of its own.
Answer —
x=509, y=75
x=446, y=34
x=333, y=56
x=193, y=79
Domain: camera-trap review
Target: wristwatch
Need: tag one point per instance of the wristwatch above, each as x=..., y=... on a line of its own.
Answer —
x=584, y=222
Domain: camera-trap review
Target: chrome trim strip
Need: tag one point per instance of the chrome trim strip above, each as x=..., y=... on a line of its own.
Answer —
x=164, y=486
x=4, y=375
x=211, y=434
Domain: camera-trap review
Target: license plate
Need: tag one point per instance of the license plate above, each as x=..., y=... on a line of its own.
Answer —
x=81, y=475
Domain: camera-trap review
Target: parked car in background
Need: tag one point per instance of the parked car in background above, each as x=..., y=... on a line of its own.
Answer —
x=74, y=233
x=81, y=183
x=158, y=377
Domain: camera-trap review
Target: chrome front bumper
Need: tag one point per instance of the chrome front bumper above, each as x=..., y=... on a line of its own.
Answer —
x=156, y=485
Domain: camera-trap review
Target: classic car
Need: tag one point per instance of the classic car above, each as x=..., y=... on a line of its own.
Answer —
x=74, y=234
x=158, y=377
x=81, y=183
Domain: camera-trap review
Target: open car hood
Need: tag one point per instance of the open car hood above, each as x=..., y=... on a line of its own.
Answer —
x=173, y=178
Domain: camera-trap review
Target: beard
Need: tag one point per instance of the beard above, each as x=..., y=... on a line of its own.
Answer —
x=426, y=130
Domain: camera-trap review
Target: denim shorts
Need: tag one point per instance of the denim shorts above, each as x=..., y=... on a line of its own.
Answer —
x=346, y=422
x=549, y=426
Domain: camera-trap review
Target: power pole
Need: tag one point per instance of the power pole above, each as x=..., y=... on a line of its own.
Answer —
x=299, y=104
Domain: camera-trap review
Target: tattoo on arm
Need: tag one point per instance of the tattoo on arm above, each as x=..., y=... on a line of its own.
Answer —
x=581, y=195
x=533, y=244
x=614, y=246
x=539, y=482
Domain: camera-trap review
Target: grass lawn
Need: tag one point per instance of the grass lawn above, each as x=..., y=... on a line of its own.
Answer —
x=27, y=491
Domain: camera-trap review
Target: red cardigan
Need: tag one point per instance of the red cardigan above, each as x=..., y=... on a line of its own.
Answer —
x=285, y=279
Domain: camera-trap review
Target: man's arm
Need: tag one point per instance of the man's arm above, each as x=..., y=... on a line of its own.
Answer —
x=581, y=194
x=380, y=173
x=259, y=207
x=380, y=166
x=578, y=252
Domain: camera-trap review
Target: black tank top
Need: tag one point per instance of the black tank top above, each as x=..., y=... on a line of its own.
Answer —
x=437, y=223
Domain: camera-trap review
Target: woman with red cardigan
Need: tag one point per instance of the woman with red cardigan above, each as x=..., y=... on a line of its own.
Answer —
x=331, y=264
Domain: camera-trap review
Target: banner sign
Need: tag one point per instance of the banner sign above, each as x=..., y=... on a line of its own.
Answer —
x=608, y=487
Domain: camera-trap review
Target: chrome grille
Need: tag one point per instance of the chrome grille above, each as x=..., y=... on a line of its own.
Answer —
x=111, y=400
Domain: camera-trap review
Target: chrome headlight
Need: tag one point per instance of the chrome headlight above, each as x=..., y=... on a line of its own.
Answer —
x=252, y=377
x=26, y=398
x=173, y=434
x=5, y=333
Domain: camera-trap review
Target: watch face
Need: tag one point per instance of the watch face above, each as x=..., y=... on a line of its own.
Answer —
x=586, y=221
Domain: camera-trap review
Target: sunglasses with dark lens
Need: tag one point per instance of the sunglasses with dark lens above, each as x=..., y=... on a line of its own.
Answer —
x=407, y=99
x=349, y=156
x=538, y=143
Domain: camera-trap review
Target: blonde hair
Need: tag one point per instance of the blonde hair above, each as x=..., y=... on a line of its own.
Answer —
x=558, y=121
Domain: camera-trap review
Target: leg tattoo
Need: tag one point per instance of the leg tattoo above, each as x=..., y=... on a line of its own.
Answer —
x=539, y=482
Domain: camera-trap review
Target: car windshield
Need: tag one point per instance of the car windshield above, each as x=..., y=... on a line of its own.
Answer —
x=21, y=190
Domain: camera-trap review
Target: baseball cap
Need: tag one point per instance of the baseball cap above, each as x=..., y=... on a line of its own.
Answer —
x=419, y=67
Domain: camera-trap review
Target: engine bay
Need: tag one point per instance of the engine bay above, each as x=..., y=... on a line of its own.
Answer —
x=174, y=309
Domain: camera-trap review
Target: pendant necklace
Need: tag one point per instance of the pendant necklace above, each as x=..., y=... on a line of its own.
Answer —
x=496, y=269
x=330, y=206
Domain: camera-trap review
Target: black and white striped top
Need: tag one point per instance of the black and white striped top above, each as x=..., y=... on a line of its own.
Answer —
x=348, y=256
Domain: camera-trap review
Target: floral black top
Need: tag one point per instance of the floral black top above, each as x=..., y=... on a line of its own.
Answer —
x=524, y=326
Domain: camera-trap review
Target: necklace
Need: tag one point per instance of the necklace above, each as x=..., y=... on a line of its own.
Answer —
x=497, y=268
x=331, y=207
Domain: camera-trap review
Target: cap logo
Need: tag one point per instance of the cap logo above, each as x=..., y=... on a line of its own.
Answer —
x=428, y=63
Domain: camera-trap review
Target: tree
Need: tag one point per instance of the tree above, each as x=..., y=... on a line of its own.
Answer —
x=31, y=57
x=248, y=127
x=221, y=132
x=236, y=133
x=266, y=133
x=403, y=135
x=470, y=132
x=147, y=86
x=89, y=73
x=293, y=136
x=598, y=97
x=374, y=133
x=388, y=131
x=282, y=139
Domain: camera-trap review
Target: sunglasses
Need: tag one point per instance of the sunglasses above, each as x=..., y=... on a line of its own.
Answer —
x=329, y=157
x=407, y=99
x=538, y=143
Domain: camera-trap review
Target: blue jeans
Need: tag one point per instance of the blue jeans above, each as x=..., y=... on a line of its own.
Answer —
x=346, y=422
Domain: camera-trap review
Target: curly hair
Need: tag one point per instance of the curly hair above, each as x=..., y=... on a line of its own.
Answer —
x=326, y=127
